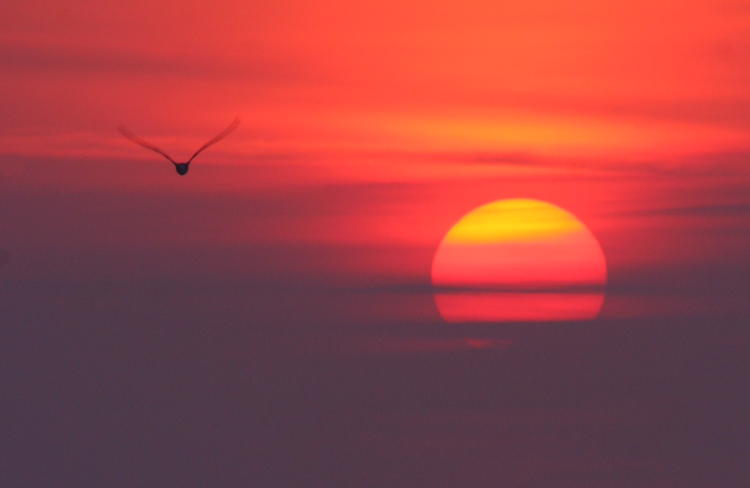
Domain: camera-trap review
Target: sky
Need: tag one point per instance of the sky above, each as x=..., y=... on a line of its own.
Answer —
x=368, y=130
x=391, y=120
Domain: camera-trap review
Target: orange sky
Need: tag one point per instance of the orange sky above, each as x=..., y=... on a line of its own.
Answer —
x=378, y=124
x=604, y=80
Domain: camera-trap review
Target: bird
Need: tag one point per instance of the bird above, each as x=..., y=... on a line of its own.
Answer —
x=181, y=168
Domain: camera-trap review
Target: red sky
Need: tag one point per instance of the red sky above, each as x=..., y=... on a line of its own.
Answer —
x=369, y=128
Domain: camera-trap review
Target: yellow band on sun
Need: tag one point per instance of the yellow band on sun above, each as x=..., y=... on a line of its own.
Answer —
x=519, y=219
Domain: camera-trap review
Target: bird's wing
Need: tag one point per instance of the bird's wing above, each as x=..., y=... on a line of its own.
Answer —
x=125, y=132
x=221, y=135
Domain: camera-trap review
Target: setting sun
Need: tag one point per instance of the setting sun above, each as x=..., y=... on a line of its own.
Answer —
x=518, y=260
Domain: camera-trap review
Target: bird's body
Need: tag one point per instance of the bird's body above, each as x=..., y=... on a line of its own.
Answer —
x=181, y=168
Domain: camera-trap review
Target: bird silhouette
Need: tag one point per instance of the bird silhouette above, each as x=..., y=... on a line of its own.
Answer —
x=181, y=168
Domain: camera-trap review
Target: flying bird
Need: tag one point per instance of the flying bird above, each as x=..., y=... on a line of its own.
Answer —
x=181, y=168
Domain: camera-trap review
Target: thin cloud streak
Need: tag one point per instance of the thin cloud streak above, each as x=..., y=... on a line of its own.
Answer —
x=52, y=59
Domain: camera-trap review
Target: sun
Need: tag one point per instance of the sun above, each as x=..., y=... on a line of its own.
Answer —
x=519, y=260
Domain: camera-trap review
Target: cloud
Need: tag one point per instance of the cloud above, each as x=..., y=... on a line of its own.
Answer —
x=708, y=210
x=700, y=164
x=77, y=60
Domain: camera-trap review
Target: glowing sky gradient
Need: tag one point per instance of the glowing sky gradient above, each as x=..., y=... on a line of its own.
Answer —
x=542, y=77
x=369, y=129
